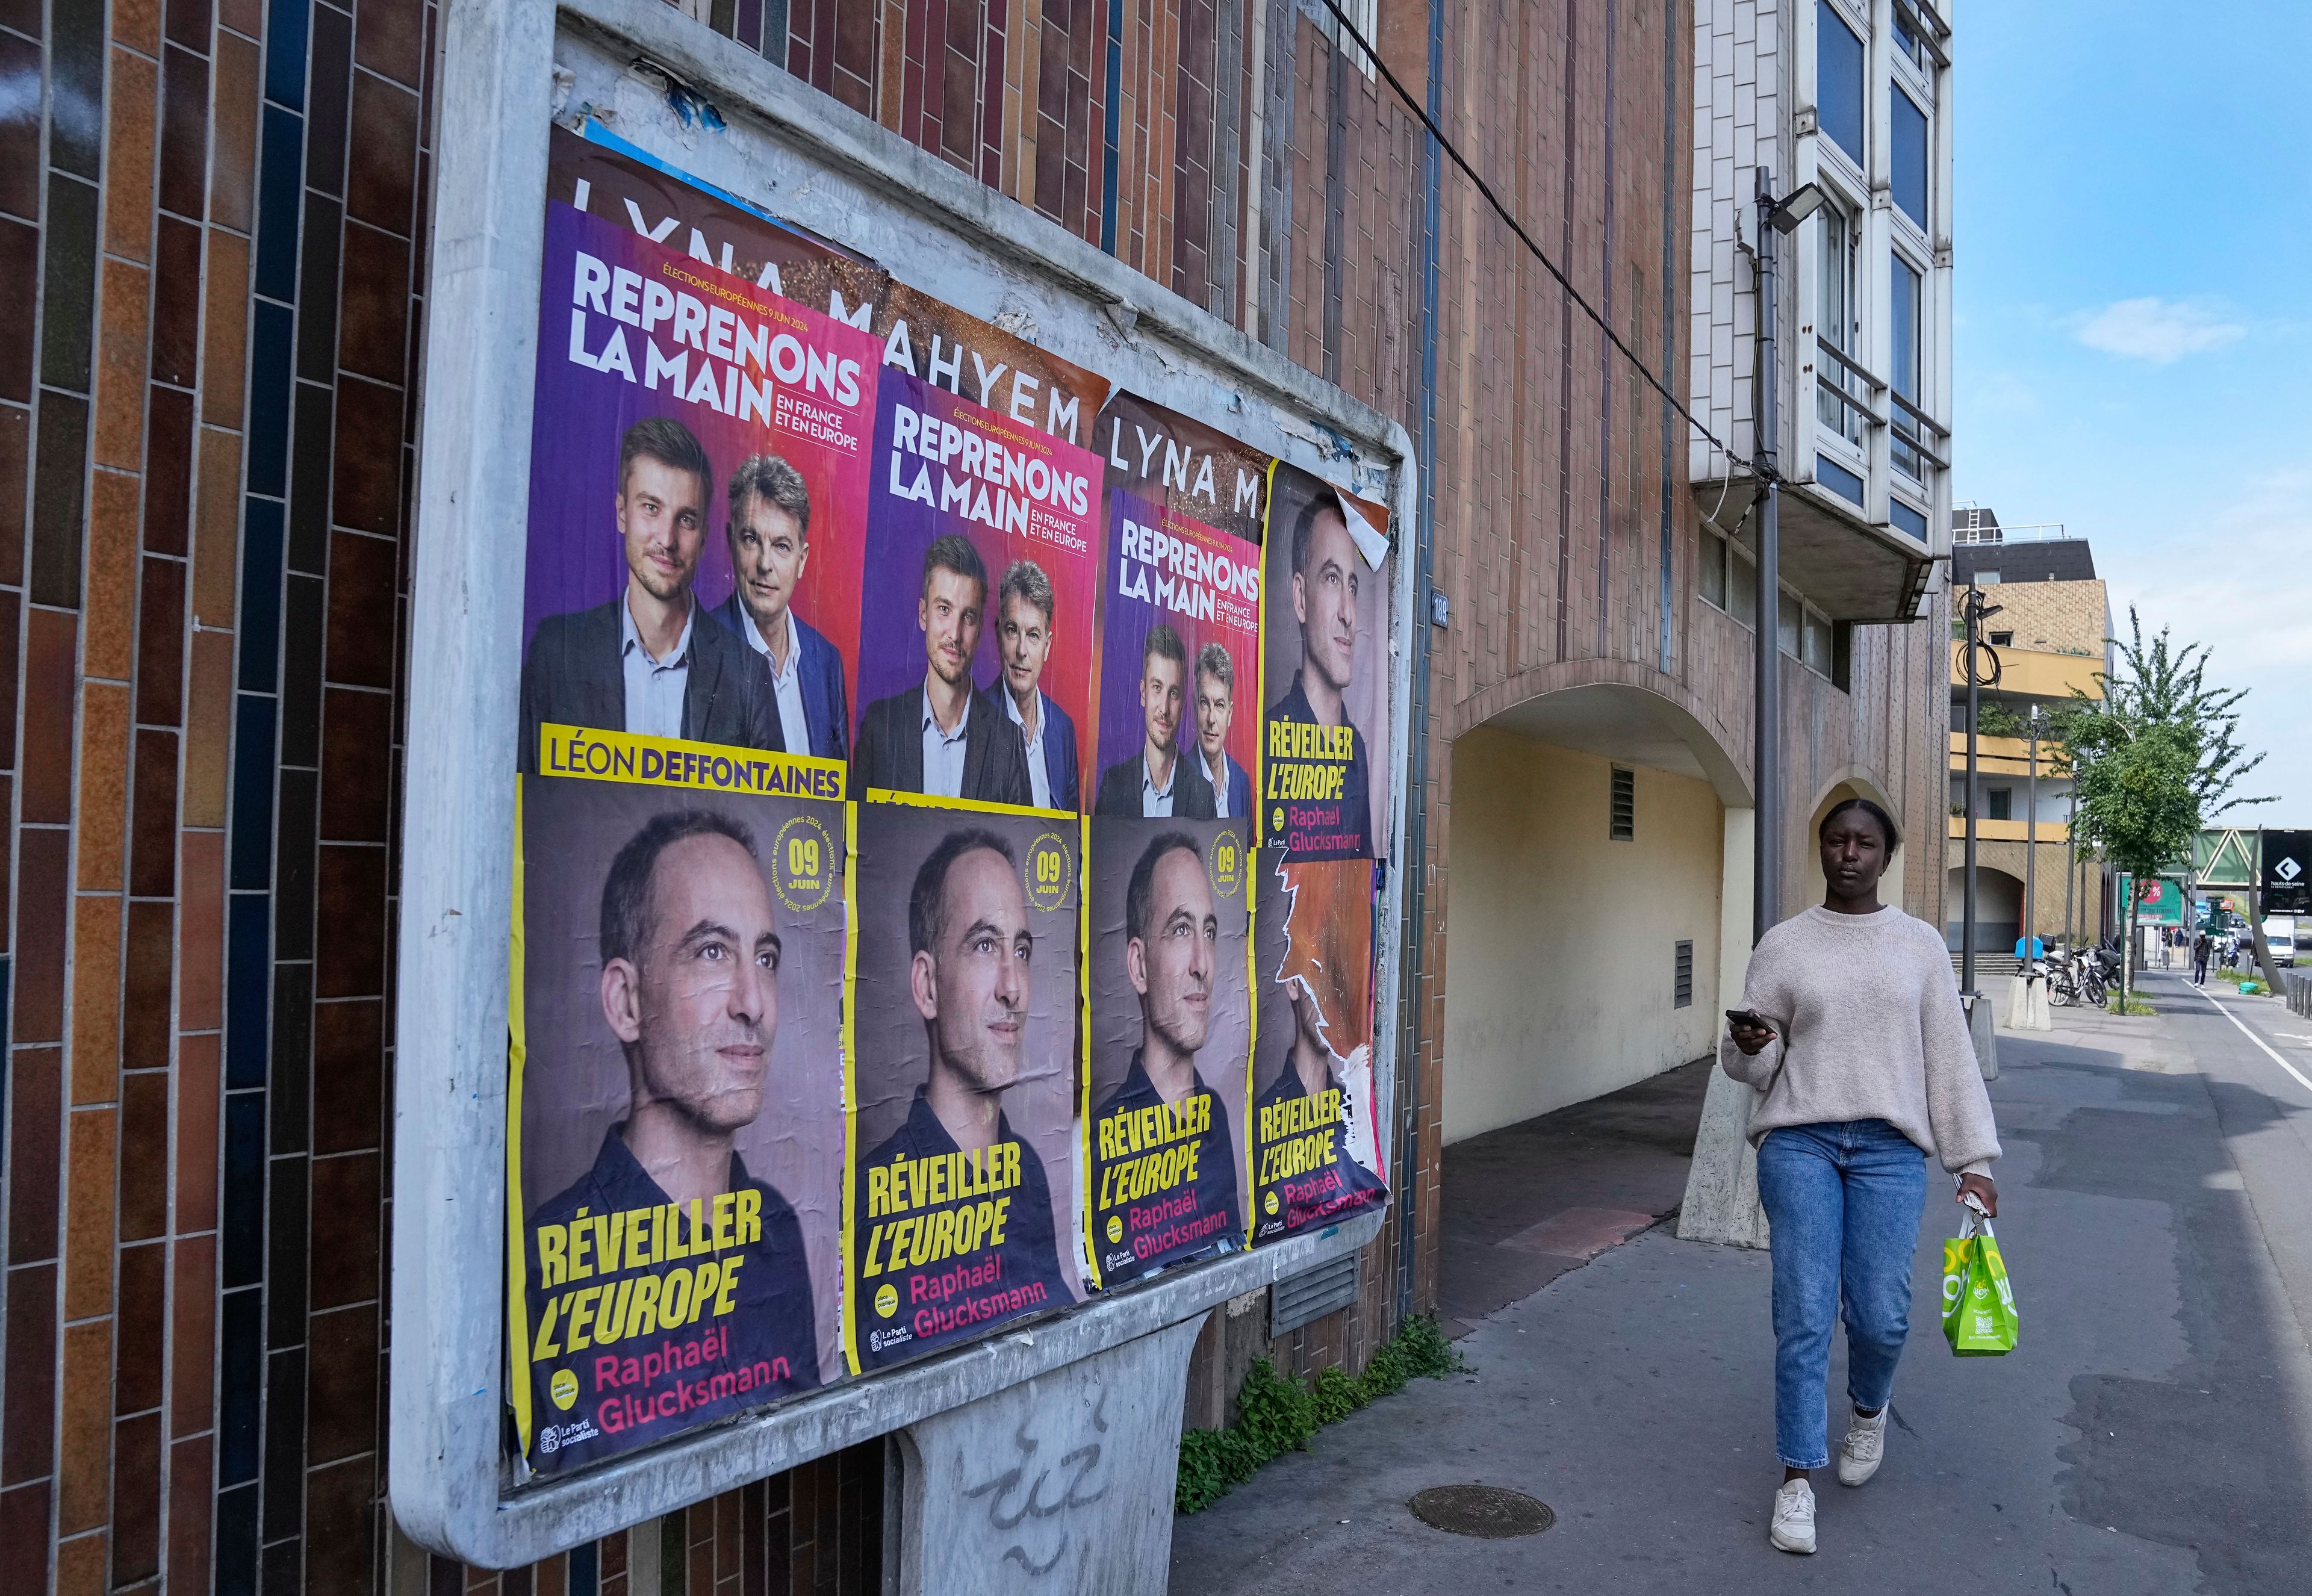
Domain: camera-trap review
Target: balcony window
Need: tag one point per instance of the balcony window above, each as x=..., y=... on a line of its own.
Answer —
x=1907, y=155
x=1742, y=584
x=2001, y=803
x=1788, y=615
x=1713, y=569
x=1838, y=80
x=1904, y=309
x=1836, y=317
x=1909, y=44
x=1906, y=519
x=1836, y=477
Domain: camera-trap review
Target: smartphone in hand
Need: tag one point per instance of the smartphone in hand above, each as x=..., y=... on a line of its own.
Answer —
x=1756, y=1021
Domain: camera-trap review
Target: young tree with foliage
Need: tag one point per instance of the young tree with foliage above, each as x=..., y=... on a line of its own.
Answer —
x=2150, y=759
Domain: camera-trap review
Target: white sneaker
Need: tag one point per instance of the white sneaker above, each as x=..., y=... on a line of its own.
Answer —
x=1864, y=1450
x=1794, y=1526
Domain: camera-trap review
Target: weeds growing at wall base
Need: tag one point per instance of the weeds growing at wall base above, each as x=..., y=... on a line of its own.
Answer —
x=1277, y=1413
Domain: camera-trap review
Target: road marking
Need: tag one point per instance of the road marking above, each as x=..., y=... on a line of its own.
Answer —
x=2260, y=1042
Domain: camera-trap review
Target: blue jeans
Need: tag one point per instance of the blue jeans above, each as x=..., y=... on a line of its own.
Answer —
x=1845, y=1201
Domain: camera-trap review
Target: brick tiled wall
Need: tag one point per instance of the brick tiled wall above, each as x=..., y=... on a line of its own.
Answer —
x=207, y=444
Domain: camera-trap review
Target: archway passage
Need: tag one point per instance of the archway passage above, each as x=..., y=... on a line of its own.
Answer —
x=1586, y=865
x=1998, y=910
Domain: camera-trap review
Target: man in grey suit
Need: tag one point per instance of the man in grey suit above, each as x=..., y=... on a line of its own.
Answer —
x=642, y=662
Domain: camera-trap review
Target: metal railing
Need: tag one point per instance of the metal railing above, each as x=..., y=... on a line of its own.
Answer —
x=1913, y=434
x=2040, y=531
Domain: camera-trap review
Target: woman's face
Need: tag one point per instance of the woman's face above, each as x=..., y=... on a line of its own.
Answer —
x=1854, y=853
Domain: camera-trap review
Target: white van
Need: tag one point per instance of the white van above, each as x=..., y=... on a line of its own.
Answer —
x=2283, y=936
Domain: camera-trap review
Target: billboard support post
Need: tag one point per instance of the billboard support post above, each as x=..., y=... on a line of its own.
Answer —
x=1069, y=1476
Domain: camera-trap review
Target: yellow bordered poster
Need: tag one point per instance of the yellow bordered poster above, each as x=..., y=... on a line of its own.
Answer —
x=965, y=984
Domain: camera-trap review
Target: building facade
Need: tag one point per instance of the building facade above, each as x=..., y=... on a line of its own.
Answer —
x=2052, y=636
x=209, y=443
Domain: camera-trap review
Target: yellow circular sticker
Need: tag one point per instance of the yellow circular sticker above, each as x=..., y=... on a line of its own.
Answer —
x=1276, y=821
x=564, y=1389
x=1115, y=1228
x=887, y=1300
x=1269, y=1204
x=1049, y=870
x=803, y=864
x=1227, y=863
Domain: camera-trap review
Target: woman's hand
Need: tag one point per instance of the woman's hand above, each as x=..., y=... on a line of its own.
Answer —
x=1750, y=1038
x=1983, y=1190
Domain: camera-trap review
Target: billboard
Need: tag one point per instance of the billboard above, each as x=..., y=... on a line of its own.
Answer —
x=947, y=792
x=2285, y=875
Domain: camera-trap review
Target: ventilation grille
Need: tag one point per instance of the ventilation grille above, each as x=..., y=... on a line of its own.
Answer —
x=1681, y=980
x=1309, y=1296
x=1622, y=825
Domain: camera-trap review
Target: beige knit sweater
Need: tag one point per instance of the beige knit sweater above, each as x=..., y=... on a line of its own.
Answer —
x=1867, y=1026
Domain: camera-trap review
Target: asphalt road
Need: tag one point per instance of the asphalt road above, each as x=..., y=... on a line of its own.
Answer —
x=2152, y=1433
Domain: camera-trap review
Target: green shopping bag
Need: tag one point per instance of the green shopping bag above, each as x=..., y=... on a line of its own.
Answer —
x=1978, y=1303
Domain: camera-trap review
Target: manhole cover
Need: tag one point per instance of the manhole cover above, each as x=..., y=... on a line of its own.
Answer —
x=1487, y=1511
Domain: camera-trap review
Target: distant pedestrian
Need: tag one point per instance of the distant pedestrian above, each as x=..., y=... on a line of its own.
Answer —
x=2201, y=948
x=1851, y=1031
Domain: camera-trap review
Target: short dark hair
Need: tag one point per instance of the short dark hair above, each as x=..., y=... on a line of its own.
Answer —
x=1885, y=822
x=1163, y=643
x=1213, y=659
x=1304, y=525
x=952, y=551
x=772, y=479
x=667, y=440
x=931, y=880
x=625, y=923
x=1139, y=895
x=1026, y=580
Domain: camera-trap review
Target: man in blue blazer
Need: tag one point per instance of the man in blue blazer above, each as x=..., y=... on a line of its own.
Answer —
x=1023, y=645
x=770, y=548
x=1215, y=713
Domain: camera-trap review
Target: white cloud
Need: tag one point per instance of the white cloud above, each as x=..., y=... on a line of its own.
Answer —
x=2156, y=329
x=2235, y=581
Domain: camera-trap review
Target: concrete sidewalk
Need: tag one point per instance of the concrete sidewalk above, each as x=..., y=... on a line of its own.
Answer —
x=2149, y=1436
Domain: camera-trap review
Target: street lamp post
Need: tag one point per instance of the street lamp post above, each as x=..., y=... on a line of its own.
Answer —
x=1775, y=217
x=2031, y=845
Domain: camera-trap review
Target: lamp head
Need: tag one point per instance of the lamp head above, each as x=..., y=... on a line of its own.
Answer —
x=1794, y=208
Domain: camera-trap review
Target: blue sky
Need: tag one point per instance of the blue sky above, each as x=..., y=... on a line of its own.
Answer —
x=2132, y=336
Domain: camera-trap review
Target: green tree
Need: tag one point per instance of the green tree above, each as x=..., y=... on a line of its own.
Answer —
x=2151, y=758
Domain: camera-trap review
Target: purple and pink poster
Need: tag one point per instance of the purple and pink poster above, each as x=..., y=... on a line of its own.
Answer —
x=698, y=483
x=975, y=637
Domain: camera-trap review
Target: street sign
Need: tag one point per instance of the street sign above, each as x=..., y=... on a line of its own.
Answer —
x=2286, y=873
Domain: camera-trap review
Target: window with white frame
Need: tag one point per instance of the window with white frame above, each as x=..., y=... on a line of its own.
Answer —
x=1839, y=96
x=1906, y=315
x=1837, y=319
x=1906, y=154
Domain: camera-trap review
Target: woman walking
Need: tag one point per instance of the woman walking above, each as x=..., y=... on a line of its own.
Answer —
x=1852, y=1032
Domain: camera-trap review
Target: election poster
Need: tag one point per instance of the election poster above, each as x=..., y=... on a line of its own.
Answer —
x=1170, y=1039
x=1325, y=754
x=996, y=366
x=1317, y=1149
x=592, y=169
x=676, y=1100
x=976, y=656
x=963, y=996
x=697, y=507
x=1179, y=627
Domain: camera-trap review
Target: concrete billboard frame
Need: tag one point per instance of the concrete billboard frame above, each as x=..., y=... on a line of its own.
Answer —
x=509, y=68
